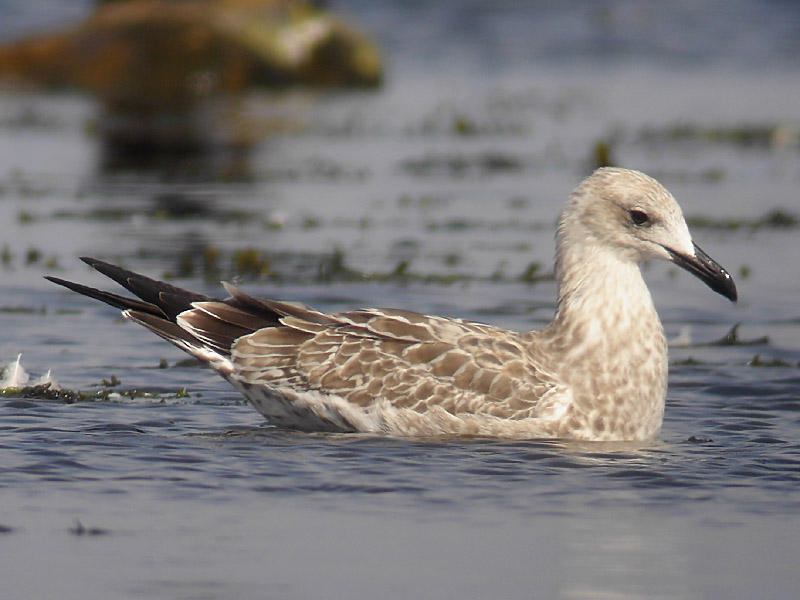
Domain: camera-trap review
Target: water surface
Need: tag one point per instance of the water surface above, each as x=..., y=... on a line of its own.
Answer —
x=439, y=194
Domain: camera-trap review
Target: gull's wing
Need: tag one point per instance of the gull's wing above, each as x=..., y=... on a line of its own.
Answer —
x=288, y=350
x=410, y=360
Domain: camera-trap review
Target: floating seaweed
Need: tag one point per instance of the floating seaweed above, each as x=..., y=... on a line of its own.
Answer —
x=774, y=219
x=732, y=339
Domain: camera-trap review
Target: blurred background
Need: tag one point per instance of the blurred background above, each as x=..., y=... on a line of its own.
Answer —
x=409, y=154
x=298, y=139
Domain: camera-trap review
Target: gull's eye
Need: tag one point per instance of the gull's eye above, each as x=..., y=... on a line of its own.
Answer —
x=639, y=217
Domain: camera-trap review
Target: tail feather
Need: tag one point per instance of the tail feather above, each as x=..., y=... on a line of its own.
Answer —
x=218, y=359
x=170, y=299
x=168, y=330
x=115, y=300
x=199, y=324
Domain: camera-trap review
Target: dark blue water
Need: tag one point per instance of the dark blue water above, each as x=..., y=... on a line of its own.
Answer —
x=436, y=194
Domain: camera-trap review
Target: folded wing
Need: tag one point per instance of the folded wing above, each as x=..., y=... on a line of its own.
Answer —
x=411, y=361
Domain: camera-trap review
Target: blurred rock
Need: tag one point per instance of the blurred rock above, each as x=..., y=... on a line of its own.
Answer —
x=145, y=53
x=169, y=74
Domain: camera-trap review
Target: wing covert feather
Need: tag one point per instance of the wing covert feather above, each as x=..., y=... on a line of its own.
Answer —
x=412, y=361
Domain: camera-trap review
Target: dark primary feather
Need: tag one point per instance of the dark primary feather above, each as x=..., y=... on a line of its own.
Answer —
x=216, y=324
x=170, y=299
x=115, y=300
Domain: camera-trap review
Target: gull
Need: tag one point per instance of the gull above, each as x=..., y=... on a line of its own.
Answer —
x=598, y=371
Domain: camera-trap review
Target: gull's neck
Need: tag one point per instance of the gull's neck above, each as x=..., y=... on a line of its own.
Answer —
x=593, y=283
x=607, y=345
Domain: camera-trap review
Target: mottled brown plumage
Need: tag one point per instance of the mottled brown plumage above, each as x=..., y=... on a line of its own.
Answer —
x=597, y=372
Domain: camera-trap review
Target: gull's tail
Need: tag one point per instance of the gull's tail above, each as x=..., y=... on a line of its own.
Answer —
x=203, y=326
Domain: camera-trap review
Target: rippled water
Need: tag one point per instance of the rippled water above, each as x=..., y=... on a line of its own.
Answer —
x=437, y=194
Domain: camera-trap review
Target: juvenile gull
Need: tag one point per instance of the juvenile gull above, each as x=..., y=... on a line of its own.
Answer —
x=598, y=371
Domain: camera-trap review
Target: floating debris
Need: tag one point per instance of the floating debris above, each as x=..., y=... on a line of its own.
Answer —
x=251, y=262
x=448, y=120
x=775, y=135
x=757, y=361
x=15, y=383
x=112, y=382
x=333, y=267
x=13, y=375
x=688, y=362
x=732, y=339
x=23, y=310
x=461, y=165
x=602, y=155
x=533, y=274
x=25, y=218
x=775, y=219
x=698, y=440
x=80, y=530
x=248, y=263
x=683, y=339
x=780, y=219
x=46, y=391
x=33, y=257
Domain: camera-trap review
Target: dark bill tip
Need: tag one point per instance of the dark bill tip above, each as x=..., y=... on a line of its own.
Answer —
x=702, y=266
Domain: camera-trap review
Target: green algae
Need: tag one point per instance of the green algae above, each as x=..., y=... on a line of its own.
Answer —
x=463, y=165
x=732, y=339
x=777, y=219
x=742, y=136
x=757, y=361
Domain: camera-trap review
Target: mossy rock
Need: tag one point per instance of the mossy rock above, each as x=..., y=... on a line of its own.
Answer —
x=161, y=53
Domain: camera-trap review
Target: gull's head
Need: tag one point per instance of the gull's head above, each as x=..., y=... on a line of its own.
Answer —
x=633, y=217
